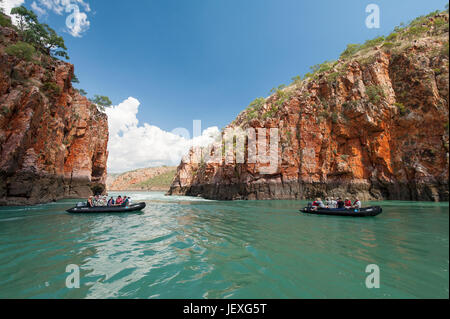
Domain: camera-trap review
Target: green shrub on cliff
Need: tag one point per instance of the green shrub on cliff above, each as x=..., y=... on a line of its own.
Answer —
x=332, y=77
x=75, y=79
x=392, y=37
x=350, y=50
x=101, y=100
x=323, y=67
x=21, y=50
x=4, y=21
x=52, y=89
x=254, y=107
x=41, y=36
x=257, y=103
x=401, y=108
x=296, y=80
x=416, y=31
x=82, y=92
x=271, y=112
x=375, y=93
x=388, y=45
x=373, y=43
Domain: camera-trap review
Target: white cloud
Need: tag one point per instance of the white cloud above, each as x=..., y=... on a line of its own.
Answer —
x=38, y=9
x=77, y=21
x=7, y=5
x=134, y=146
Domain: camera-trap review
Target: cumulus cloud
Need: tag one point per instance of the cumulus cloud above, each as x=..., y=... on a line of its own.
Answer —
x=133, y=146
x=38, y=9
x=77, y=21
x=7, y=5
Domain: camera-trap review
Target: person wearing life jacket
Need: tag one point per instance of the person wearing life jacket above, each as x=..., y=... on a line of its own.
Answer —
x=348, y=203
x=317, y=204
x=125, y=201
x=119, y=201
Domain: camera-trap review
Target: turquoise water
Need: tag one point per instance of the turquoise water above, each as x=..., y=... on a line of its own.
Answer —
x=193, y=248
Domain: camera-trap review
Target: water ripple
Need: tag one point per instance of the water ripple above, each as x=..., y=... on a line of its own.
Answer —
x=192, y=248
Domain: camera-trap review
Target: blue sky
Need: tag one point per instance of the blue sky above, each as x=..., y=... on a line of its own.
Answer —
x=208, y=59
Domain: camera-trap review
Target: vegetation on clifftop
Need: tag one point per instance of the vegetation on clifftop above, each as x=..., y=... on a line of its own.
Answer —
x=432, y=24
x=40, y=44
x=37, y=34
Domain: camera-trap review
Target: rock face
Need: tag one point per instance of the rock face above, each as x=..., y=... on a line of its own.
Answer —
x=53, y=141
x=138, y=180
x=374, y=126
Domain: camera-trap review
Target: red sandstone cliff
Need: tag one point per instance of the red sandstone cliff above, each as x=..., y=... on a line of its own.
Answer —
x=373, y=125
x=53, y=141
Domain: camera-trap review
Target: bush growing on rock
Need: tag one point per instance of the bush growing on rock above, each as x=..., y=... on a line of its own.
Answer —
x=21, y=50
x=350, y=50
x=375, y=93
x=4, y=21
x=41, y=36
x=101, y=102
x=51, y=88
x=401, y=108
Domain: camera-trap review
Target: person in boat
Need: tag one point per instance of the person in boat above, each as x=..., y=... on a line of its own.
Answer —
x=111, y=202
x=317, y=204
x=329, y=202
x=119, y=201
x=125, y=202
x=348, y=203
x=357, y=203
x=96, y=201
x=340, y=203
x=89, y=202
x=333, y=203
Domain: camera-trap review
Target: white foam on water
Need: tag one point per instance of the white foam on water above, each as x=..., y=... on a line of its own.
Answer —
x=156, y=196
